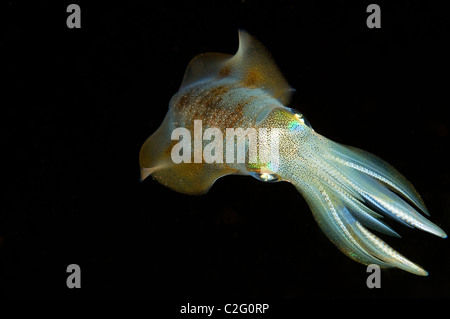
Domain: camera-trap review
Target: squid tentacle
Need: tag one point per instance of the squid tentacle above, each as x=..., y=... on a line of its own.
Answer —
x=374, y=166
x=342, y=216
x=349, y=235
x=356, y=206
x=377, y=194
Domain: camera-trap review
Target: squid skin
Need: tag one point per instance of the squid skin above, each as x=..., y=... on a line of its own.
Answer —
x=348, y=190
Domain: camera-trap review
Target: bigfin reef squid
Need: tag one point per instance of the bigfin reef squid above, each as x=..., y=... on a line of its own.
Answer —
x=348, y=190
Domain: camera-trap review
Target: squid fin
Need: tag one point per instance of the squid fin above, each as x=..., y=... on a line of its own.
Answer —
x=256, y=69
x=252, y=66
x=206, y=66
x=188, y=178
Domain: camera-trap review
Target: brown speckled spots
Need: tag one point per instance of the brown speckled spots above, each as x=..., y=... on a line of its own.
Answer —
x=213, y=107
x=225, y=71
x=252, y=78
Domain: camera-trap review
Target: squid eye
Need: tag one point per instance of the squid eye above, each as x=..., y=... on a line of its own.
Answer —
x=299, y=116
x=266, y=177
x=265, y=173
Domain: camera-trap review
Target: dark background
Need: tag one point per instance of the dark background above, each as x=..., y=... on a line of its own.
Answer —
x=79, y=103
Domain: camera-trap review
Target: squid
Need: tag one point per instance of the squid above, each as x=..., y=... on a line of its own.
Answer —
x=348, y=190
